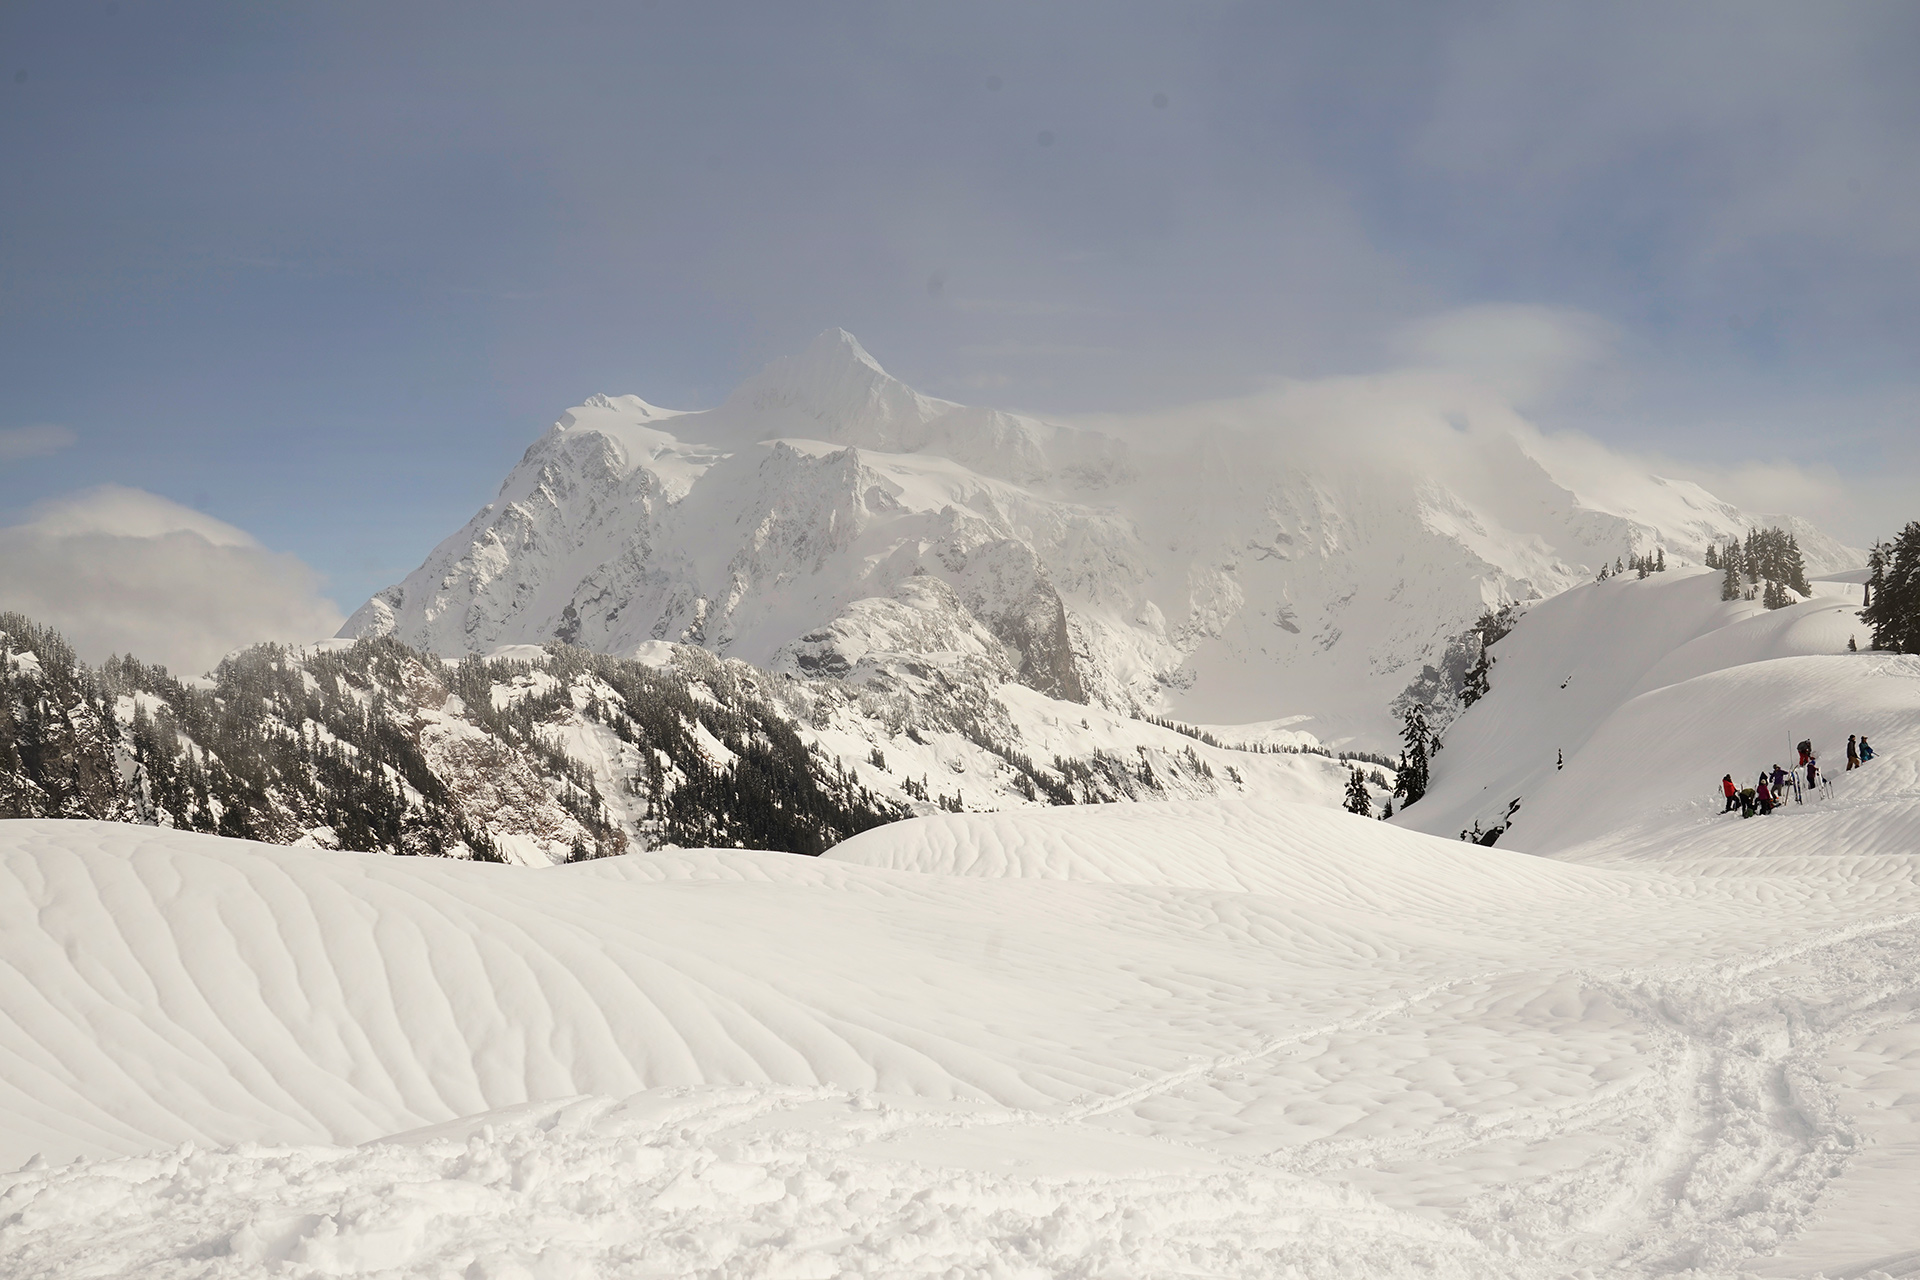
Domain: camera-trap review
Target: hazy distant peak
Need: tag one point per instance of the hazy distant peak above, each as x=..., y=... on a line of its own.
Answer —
x=837, y=347
x=632, y=408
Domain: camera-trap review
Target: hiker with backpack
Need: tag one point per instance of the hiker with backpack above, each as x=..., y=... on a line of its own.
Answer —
x=1763, y=796
x=1866, y=752
x=1733, y=793
x=1853, y=754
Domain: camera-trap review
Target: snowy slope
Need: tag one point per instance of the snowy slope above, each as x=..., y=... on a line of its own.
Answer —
x=1297, y=566
x=1652, y=689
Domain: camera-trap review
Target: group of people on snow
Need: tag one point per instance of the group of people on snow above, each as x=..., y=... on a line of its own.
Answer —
x=1771, y=789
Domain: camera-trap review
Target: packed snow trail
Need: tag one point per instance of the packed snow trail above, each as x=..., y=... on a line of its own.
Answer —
x=720, y=1183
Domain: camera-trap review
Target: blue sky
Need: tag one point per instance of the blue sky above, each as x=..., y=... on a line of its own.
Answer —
x=321, y=272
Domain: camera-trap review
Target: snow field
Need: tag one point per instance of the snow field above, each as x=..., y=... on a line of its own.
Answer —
x=1191, y=1038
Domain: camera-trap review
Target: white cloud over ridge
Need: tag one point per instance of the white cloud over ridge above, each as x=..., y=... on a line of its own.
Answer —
x=121, y=570
x=1468, y=379
x=1520, y=351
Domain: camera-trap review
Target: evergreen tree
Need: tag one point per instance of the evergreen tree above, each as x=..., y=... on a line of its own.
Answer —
x=1796, y=568
x=1387, y=811
x=1713, y=555
x=1412, y=782
x=1730, y=581
x=1876, y=573
x=1660, y=560
x=1358, y=801
x=1894, y=614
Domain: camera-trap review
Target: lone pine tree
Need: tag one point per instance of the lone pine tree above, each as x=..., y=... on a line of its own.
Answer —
x=1413, y=763
x=1358, y=801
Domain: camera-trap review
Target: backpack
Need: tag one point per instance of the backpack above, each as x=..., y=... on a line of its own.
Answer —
x=1806, y=748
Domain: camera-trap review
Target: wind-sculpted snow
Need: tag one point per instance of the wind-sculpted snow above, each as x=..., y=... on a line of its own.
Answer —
x=1212, y=1038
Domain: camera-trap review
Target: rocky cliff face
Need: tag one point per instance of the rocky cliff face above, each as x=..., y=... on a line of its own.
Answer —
x=1230, y=573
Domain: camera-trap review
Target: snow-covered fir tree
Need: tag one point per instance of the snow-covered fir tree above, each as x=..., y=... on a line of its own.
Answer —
x=1893, y=611
x=1413, y=772
x=1358, y=801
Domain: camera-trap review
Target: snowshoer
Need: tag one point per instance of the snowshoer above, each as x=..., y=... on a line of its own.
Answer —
x=1853, y=752
x=1806, y=752
x=1778, y=778
x=1733, y=793
x=1764, y=795
x=1866, y=752
x=1747, y=802
x=1813, y=772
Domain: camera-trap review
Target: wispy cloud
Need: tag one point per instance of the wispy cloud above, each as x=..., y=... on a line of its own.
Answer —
x=35, y=441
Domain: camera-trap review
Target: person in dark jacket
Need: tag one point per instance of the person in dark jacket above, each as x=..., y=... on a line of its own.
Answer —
x=1853, y=752
x=1763, y=796
x=1733, y=793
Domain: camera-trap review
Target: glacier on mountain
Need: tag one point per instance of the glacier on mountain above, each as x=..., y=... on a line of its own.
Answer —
x=827, y=519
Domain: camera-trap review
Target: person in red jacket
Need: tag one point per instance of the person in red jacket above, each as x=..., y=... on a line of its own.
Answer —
x=1733, y=793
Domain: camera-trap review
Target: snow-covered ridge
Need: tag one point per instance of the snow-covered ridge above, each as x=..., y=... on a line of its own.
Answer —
x=1229, y=573
x=1617, y=707
x=540, y=755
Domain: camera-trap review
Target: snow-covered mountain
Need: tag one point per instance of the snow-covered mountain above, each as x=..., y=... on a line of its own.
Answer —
x=827, y=519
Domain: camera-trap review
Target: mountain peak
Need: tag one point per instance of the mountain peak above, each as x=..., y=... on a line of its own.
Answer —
x=838, y=348
x=835, y=382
